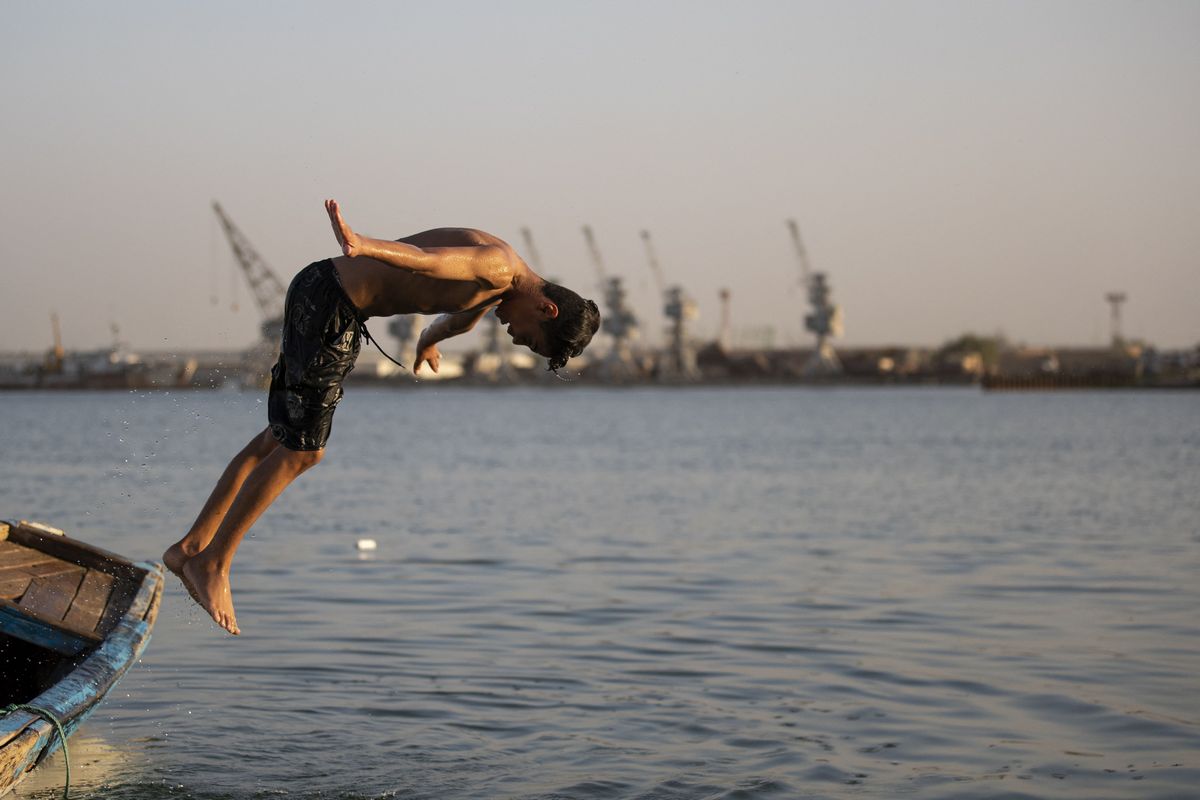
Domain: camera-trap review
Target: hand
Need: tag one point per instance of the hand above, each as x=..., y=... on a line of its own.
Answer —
x=350, y=241
x=427, y=351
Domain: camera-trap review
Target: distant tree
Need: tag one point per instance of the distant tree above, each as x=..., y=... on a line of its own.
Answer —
x=988, y=347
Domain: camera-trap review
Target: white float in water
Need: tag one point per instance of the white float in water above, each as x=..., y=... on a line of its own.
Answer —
x=367, y=544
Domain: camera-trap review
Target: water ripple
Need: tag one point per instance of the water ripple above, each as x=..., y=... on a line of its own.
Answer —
x=796, y=594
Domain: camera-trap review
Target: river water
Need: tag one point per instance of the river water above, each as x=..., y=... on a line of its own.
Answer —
x=652, y=593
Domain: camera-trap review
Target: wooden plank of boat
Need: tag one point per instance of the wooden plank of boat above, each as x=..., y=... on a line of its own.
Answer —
x=15, y=557
x=50, y=602
x=90, y=601
x=49, y=569
x=103, y=627
x=57, y=545
x=52, y=595
x=14, y=585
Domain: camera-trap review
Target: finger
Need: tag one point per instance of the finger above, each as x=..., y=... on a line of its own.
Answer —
x=337, y=231
x=346, y=232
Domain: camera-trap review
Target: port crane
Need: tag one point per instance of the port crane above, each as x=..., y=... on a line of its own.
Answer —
x=1115, y=300
x=268, y=292
x=269, y=295
x=619, y=321
x=824, y=318
x=679, y=309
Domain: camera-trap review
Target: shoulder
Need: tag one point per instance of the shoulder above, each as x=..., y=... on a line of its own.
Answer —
x=496, y=264
x=453, y=237
x=483, y=237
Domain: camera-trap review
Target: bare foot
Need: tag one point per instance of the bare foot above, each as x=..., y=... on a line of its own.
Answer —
x=210, y=587
x=175, y=557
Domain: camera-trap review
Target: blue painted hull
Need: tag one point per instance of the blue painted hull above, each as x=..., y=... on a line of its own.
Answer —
x=26, y=739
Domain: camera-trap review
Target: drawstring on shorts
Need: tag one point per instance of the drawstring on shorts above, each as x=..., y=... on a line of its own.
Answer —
x=362, y=325
x=362, y=328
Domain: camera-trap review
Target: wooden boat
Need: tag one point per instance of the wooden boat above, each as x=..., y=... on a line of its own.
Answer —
x=73, y=619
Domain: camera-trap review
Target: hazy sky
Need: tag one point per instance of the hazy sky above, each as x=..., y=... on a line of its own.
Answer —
x=953, y=165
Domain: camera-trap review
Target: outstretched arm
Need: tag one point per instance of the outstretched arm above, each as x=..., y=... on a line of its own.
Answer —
x=486, y=265
x=443, y=328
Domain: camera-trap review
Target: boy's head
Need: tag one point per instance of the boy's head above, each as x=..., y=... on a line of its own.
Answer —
x=554, y=322
x=569, y=331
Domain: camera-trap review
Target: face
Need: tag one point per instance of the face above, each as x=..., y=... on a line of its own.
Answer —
x=524, y=317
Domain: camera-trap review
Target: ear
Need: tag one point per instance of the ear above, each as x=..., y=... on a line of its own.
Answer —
x=548, y=309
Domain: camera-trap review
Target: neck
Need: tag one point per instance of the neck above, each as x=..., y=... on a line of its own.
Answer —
x=527, y=282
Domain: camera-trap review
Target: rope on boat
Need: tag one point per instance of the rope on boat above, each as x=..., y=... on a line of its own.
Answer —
x=62, y=736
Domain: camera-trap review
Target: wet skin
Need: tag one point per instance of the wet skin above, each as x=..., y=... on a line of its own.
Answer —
x=460, y=273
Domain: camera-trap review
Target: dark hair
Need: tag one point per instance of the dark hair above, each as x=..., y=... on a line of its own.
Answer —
x=569, y=332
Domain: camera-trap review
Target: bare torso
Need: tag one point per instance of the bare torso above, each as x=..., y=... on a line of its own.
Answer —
x=382, y=290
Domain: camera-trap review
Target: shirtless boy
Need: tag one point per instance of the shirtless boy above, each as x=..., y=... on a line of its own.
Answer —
x=458, y=272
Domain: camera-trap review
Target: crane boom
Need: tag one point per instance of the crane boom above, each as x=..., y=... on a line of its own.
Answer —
x=652, y=257
x=268, y=291
x=801, y=252
x=594, y=252
x=535, y=258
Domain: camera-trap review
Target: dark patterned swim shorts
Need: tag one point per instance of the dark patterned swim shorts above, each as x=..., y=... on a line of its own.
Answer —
x=320, y=342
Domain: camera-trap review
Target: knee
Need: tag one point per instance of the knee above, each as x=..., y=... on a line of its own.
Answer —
x=264, y=445
x=304, y=460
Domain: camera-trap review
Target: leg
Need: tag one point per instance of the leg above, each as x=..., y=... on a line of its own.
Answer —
x=319, y=344
x=207, y=573
x=214, y=510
